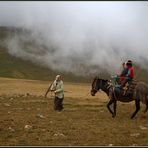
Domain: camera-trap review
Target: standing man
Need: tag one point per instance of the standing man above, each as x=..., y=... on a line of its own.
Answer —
x=58, y=89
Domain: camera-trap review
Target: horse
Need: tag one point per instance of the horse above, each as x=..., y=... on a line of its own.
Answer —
x=140, y=93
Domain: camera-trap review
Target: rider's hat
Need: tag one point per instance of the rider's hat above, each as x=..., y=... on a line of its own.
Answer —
x=129, y=62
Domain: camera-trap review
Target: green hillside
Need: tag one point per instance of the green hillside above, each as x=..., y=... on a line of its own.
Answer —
x=14, y=67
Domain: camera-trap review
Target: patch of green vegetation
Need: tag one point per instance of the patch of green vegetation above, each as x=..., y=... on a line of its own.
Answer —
x=14, y=67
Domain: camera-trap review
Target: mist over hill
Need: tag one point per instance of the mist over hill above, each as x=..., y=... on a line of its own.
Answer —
x=14, y=64
x=80, y=38
x=25, y=49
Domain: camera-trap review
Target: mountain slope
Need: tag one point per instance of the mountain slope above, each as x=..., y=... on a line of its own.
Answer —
x=14, y=67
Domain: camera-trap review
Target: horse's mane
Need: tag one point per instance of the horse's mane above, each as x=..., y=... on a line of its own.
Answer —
x=97, y=77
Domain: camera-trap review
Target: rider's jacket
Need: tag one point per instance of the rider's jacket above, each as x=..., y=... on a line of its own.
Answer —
x=131, y=72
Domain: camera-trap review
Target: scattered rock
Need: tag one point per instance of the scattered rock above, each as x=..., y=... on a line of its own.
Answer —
x=11, y=129
x=40, y=116
x=142, y=127
x=55, y=134
x=11, y=99
x=43, y=130
x=135, y=134
x=9, y=112
x=28, y=127
x=50, y=122
x=6, y=104
x=59, y=134
x=62, y=135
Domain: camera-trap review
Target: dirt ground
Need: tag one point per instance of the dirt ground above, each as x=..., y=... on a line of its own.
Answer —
x=28, y=119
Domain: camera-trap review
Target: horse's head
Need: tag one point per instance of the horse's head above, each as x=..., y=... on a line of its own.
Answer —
x=97, y=84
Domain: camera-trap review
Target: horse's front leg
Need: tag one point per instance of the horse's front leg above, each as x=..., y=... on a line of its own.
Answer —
x=111, y=101
x=108, y=106
x=115, y=106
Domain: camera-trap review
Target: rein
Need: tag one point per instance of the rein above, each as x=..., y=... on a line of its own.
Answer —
x=97, y=86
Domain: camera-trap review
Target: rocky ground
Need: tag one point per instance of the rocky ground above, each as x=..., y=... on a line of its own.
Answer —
x=28, y=119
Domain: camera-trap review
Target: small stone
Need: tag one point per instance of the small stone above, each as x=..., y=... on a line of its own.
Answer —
x=40, y=116
x=142, y=127
x=62, y=135
x=28, y=127
x=59, y=134
x=135, y=134
x=43, y=130
x=51, y=122
x=6, y=104
x=11, y=129
x=11, y=99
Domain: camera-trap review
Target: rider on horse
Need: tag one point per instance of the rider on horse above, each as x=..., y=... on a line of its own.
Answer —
x=124, y=78
x=130, y=74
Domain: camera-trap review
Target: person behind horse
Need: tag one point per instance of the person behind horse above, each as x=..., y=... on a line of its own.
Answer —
x=130, y=74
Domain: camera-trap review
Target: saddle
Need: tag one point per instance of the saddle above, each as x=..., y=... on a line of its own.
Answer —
x=127, y=90
x=129, y=87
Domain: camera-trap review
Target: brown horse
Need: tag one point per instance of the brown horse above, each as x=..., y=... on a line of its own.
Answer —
x=140, y=93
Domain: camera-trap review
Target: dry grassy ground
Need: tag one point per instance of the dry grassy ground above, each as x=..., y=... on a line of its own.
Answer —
x=28, y=119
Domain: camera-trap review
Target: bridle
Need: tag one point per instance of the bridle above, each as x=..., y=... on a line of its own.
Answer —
x=95, y=87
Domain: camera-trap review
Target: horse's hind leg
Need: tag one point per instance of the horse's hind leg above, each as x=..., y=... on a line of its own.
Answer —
x=108, y=106
x=137, y=102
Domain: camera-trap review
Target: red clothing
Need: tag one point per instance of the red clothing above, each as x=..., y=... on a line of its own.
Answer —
x=131, y=73
x=122, y=78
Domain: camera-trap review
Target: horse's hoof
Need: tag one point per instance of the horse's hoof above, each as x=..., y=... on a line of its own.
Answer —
x=132, y=117
x=113, y=116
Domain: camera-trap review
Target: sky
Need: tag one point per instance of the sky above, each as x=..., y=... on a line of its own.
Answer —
x=103, y=34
